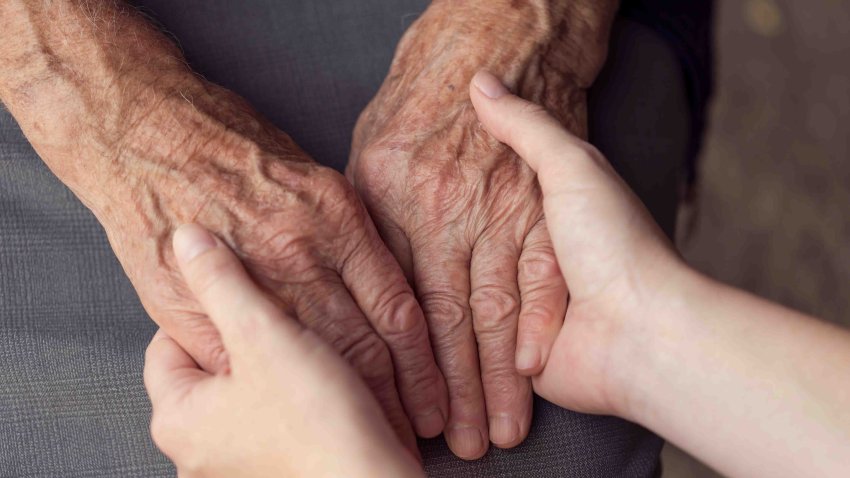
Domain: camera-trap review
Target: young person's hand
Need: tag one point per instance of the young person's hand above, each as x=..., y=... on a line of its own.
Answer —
x=713, y=369
x=287, y=406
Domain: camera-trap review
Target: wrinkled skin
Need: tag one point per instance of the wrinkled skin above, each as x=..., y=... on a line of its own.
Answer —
x=463, y=214
x=110, y=105
x=303, y=234
x=260, y=419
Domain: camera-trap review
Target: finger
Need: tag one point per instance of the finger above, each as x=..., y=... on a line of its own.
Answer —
x=441, y=274
x=169, y=370
x=324, y=305
x=385, y=297
x=495, y=303
x=581, y=191
x=544, y=301
x=239, y=309
x=399, y=246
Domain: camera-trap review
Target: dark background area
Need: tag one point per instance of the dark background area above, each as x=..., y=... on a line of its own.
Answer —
x=772, y=213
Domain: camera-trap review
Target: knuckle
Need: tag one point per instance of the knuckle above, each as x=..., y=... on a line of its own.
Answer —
x=503, y=382
x=462, y=389
x=192, y=465
x=333, y=190
x=585, y=153
x=533, y=111
x=539, y=263
x=536, y=318
x=179, y=447
x=150, y=350
x=423, y=379
x=493, y=307
x=373, y=162
x=215, y=356
x=292, y=249
x=446, y=312
x=401, y=316
x=369, y=356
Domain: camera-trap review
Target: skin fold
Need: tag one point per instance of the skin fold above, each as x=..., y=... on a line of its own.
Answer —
x=463, y=214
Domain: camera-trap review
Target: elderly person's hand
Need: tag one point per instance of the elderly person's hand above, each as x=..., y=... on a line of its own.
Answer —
x=288, y=405
x=147, y=145
x=462, y=214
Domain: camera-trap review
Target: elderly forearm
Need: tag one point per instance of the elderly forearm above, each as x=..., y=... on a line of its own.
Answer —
x=74, y=68
x=572, y=35
x=549, y=51
x=108, y=101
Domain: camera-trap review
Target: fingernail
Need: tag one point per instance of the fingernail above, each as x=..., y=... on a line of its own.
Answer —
x=528, y=358
x=466, y=442
x=429, y=424
x=504, y=430
x=489, y=85
x=190, y=241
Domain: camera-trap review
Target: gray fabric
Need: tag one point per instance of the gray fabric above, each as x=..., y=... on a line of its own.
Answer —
x=72, y=332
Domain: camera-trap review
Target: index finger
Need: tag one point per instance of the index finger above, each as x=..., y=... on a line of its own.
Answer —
x=169, y=370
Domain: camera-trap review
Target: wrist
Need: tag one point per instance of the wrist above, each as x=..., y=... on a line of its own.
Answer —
x=547, y=51
x=670, y=321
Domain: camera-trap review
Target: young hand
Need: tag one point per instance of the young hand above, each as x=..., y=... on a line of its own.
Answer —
x=712, y=369
x=287, y=406
x=615, y=259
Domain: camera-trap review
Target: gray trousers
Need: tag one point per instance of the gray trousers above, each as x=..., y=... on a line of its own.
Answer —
x=72, y=332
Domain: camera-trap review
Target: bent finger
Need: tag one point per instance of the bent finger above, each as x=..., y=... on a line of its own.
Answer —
x=169, y=370
x=495, y=302
x=382, y=292
x=544, y=301
x=441, y=274
x=325, y=305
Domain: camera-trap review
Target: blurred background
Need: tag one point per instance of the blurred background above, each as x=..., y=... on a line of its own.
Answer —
x=772, y=212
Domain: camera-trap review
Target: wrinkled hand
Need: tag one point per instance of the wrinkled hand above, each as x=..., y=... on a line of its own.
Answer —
x=299, y=227
x=109, y=103
x=261, y=419
x=464, y=217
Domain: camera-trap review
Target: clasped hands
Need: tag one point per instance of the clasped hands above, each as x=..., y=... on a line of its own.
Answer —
x=429, y=270
x=318, y=418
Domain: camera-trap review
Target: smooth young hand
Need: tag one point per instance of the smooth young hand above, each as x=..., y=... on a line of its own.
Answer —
x=713, y=369
x=287, y=406
x=615, y=259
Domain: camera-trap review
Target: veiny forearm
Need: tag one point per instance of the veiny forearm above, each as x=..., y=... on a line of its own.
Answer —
x=749, y=387
x=549, y=51
x=112, y=108
x=572, y=35
x=79, y=70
